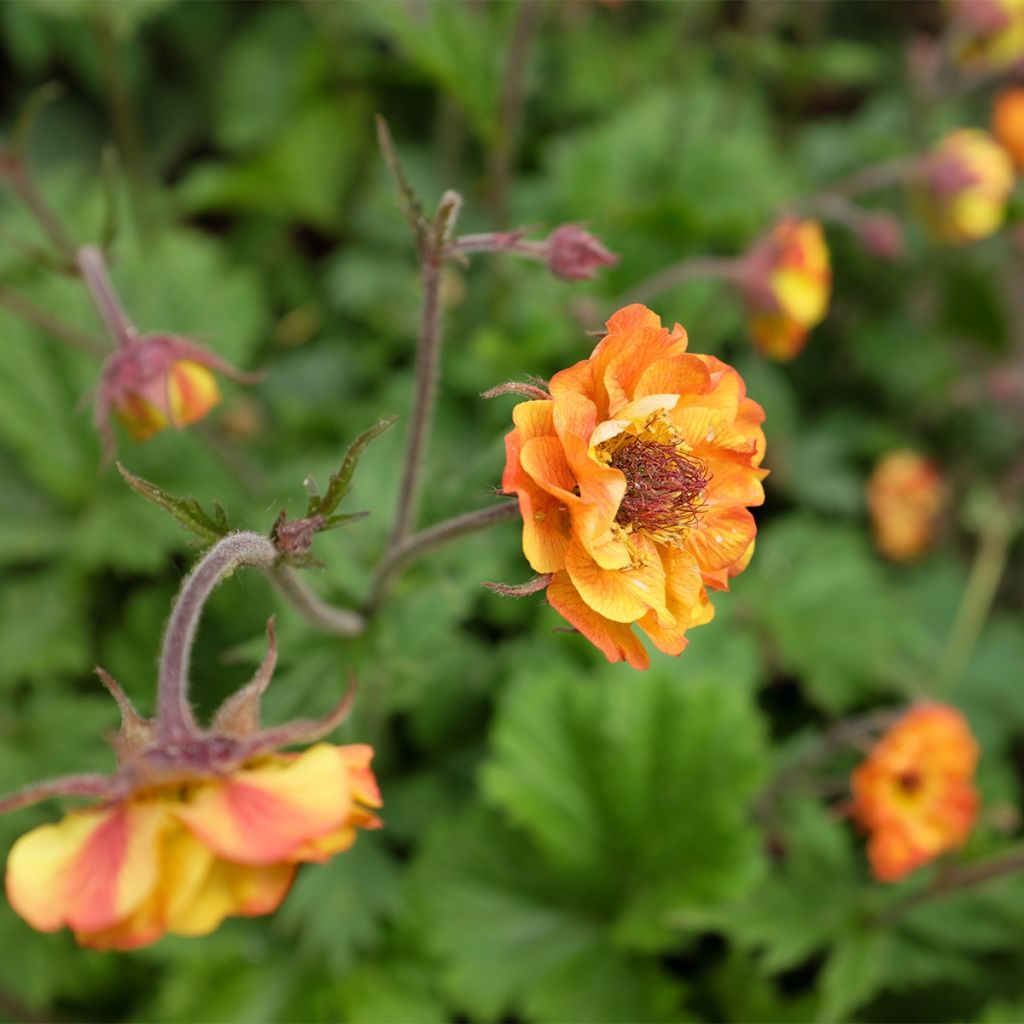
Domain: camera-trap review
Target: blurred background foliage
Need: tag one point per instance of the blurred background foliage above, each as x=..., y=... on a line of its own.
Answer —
x=566, y=840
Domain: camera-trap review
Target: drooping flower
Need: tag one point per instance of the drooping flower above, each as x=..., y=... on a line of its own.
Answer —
x=157, y=381
x=196, y=824
x=988, y=34
x=1008, y=123
x=963, y=185
x=787, y=283
x=634, y=480
x=151, y=381
x=915, y=794
x=906, y=496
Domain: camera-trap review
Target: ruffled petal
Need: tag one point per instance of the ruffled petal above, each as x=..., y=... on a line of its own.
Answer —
x=90, y=870
x=262, y=814
x=616, y=641
x=721, y=538
x=622, y=595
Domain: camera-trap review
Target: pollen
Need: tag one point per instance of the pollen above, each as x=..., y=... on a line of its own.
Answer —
x=665, y=485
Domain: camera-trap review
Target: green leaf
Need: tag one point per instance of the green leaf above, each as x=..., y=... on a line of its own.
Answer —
x=341, y=479
x=639, y=787
x=519, y=937
x=189, y=513
x=804, y=903
x=855, y=971
x=832, y=619
x=338, y=910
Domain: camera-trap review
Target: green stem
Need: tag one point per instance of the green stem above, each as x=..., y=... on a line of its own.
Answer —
x=982, y=583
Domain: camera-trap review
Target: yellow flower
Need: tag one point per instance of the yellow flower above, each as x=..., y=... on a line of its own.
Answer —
x=787, y=285
x=963, y=186
x=634, y=480
x=915, y=793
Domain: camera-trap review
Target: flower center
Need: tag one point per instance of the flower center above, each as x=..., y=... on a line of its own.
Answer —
x=665, y=484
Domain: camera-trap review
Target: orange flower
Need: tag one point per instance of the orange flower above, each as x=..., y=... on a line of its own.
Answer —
x=914, y=793
x=633, y=480
x=1008, y=123
x=963, y=186
x=787, y=284
x=906, y=496
x=180, y=858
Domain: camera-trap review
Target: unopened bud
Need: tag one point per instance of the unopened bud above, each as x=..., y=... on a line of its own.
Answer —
x=882, y=236
x=576, y=255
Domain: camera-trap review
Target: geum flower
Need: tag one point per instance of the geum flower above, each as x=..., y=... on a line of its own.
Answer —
x=915, y=794
x=786, y=281
x=197, y=824
x=963, y=186
x=906, y=495
x=633, y=481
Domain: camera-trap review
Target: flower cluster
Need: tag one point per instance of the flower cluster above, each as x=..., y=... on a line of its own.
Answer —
x=914, y=794
x=634, y=481
x=787, y=283
x=906, y=496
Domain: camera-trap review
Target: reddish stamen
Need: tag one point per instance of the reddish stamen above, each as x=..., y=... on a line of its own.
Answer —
x=664, y=487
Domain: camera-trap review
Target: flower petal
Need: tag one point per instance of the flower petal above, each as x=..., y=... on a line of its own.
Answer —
x=90, y=870
x=262, y=814
x=622, y=595
x=616, y=641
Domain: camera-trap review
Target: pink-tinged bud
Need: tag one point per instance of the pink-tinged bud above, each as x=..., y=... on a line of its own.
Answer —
x=882, y=236
x=906, y=496
x=987, y=34
x=575, y=254
x=1008, y=123
x=157, y=381
x=963, y=186
x=787, y=284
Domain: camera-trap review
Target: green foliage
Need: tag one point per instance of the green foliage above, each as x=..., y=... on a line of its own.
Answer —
x=564, y=840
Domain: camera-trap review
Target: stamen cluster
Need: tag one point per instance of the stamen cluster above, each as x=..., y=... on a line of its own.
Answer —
x=664, y=488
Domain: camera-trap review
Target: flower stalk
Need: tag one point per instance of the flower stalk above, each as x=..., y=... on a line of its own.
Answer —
x=413, y=547
x=175, y=721
x=93, y=268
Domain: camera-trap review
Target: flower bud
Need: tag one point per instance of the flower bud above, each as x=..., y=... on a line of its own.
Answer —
x=575, y=254
x=1008, y=123
x=157, y=381
x=963, y=186
x=882, y=236
x=906, y=496
x=988, y=34
x=787, y=285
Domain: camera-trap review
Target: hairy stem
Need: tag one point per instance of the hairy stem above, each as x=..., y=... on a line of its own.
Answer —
x=327, y=617
x=174, y=718
x=94, y=270
x=953, y=879
x=427, y=360
x=679, y=273
x=39, y=317
x=25, y=188
x=408, y=550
